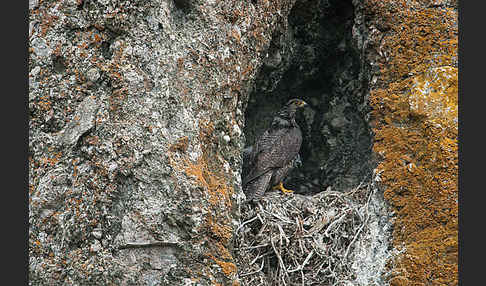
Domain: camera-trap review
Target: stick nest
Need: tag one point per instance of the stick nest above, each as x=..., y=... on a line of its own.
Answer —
x=301, y=240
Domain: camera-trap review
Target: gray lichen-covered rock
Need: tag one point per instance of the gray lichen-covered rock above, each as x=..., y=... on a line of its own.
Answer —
x=132, y=178
x=139, y=113
x=83, y=121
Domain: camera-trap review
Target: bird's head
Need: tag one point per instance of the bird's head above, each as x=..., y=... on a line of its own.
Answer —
x=295, y=104
x=289, y=110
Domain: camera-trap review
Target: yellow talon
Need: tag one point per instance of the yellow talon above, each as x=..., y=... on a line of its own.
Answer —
x=282, y=188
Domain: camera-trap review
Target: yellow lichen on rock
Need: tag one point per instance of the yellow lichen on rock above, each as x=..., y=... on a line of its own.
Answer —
x=415, y=119
x=434, y=95
x=206, y=173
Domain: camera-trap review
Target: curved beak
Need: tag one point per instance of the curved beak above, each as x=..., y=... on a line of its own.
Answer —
x=302, y=103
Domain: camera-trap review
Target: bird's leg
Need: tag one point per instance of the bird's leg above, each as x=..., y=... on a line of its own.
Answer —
x=282, y=188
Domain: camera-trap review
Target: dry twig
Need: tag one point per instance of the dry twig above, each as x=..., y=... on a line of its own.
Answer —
x=301, y=240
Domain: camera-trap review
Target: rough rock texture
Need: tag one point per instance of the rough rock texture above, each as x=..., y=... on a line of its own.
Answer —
x=412, y=47
x=130, y=179
x=139, y=112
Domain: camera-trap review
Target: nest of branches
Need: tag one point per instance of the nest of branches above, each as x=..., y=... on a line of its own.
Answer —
x=301, y=240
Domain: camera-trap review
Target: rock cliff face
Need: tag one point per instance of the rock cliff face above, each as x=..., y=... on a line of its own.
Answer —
x=139, y=112
x=412, y=48
x=132, y=177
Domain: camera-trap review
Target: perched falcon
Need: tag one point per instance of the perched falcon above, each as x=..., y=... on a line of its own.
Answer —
x=274, y=153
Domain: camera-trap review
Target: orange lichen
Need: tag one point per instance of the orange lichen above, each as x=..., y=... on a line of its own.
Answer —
x=180, y=63
x=51, y=160
x=180, y=145
x=228, y=268
x=221, y=232
x=207, y=173
x=212, y=183
x=434, y=94
x=415, y=121
x=47, y=21
x=92, y=140
x=222, y=250
x=44, y=103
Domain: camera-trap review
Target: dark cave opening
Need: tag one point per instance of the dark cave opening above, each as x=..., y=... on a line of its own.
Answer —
x=315, y=58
